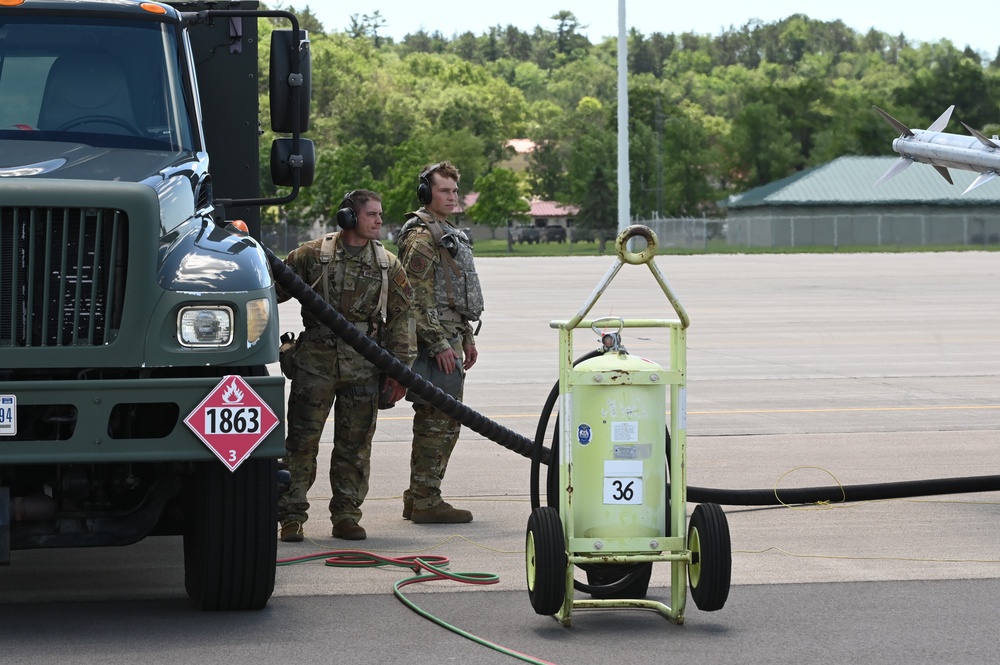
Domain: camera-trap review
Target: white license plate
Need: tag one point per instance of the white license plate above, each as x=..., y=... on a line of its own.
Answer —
x=8, y=415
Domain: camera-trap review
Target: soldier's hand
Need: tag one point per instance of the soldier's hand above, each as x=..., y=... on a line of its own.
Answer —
x=394, y=390
x=447, y=360
x=471, y=355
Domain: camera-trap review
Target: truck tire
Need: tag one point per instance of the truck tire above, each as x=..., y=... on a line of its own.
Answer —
x=231, y=538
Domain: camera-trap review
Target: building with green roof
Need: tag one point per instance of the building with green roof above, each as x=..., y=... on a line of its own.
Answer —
x=837, y=204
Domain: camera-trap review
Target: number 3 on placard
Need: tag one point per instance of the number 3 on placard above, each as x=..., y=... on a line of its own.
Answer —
x=232, y=455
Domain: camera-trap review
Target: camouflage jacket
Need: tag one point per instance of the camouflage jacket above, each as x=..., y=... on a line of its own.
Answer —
x=354, y=284
x=443, y=302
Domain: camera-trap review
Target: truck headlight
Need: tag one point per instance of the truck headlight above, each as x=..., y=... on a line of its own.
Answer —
x=258, y=314
x=205, y=326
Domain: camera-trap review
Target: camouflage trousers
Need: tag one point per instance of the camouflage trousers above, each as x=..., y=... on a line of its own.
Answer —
x=318, y=386
x=434, y=437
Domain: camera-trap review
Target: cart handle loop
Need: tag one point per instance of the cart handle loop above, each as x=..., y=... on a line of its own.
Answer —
x=636, y=258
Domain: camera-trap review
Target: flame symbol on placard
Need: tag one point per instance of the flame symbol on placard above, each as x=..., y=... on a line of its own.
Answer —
x=232, y=395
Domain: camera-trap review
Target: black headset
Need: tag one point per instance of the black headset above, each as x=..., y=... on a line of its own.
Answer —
x=347, y=219
x=424, y=192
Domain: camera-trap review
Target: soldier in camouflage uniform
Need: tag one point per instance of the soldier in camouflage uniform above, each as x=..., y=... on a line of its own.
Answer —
x=354, y=273
x=446, y=297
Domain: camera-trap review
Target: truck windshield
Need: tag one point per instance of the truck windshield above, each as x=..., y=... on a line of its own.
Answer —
x=107, y=83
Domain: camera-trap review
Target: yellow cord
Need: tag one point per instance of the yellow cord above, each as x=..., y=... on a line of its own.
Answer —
x=818, y=505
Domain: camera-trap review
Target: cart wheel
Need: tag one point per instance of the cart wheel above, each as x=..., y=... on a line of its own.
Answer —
x=545, y=560
x=711, y=565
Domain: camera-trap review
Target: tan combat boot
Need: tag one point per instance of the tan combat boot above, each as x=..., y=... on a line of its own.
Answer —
x=443, y=513
x=291, y=532
x=407, y=507
x=348, y=529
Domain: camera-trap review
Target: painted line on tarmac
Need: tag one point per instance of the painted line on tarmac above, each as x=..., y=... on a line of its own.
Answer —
x=854, y=409
x=857, y=409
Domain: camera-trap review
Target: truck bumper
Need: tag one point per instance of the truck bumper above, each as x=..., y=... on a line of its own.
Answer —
x=109, y=420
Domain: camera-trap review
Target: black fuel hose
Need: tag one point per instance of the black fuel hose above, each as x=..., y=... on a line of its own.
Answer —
x=537, y=447
x=845, y=493
x=522, y=445
x=776, y=497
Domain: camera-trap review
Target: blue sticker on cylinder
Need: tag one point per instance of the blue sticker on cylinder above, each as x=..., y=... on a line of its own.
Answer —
x=583, y=434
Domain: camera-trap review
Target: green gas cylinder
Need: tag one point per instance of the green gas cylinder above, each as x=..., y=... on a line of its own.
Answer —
x=617, y=442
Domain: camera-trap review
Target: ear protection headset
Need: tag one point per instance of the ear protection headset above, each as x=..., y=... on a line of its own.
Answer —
x=346, y=217
x=424, y=186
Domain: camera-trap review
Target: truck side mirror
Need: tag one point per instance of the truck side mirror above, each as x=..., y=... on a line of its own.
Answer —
x=285, y=86
x=284, y=163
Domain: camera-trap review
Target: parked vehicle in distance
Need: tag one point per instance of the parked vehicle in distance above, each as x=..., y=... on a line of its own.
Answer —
x=554, y=233
x=528, y=234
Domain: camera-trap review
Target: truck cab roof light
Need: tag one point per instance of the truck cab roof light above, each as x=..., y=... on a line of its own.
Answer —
x=151, y=7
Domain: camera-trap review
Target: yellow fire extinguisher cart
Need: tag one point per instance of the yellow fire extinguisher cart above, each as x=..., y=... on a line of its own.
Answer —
x=616, y=457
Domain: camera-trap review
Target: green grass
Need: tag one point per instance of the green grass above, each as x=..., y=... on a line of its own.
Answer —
x=499, y=248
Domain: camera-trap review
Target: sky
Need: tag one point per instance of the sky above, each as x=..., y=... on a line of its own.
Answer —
x=970, y=22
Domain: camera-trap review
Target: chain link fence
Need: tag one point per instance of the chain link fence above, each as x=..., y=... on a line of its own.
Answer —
x=685, y=232
x=283, y=238
x=862, y=229
x=679, y=232
x=855, y=229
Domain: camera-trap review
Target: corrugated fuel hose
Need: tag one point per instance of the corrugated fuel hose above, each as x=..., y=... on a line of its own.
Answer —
x=534, y=449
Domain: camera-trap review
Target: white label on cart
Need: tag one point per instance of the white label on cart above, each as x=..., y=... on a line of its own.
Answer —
x=622, y=482
x=624, y=432
x=8, y=415
x=638, y=451
x=682, y=397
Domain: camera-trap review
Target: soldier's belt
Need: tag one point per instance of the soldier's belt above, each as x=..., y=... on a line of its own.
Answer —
x=366, y=389
x=450, y=315
x=322, y=332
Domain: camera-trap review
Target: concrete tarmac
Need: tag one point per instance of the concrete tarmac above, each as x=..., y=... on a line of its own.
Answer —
x=804, y=370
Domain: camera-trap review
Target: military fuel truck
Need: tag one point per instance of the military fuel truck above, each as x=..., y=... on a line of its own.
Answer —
x=137, y=315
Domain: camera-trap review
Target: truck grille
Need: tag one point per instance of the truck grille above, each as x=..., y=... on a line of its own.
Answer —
x=62, y=275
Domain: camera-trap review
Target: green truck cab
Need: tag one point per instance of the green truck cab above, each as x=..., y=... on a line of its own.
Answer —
x=136, y=320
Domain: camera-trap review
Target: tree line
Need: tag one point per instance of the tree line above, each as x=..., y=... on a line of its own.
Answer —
x=709, y=116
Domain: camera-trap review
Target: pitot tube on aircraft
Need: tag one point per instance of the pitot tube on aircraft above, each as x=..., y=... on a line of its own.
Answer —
x=944, y=151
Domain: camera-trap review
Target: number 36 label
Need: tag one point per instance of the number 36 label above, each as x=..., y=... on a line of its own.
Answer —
x=622, y=491
x=227, y=420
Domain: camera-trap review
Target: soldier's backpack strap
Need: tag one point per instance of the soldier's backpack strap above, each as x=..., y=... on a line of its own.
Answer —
x=451, y=268
x=383, y=263
x=325, y=258
x=434, y=226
